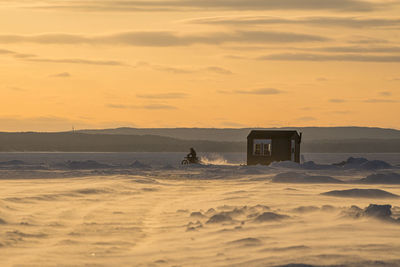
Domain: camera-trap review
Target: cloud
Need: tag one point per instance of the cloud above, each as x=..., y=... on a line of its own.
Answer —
x=377, y=100
x=337, y=100
x=207, y=5
x=174, y=70
x=366, y=40
x=340, y=112
x=51, y=38
x=218, y=70
x=17, y=89
x=35, y=58
x=348, y=22
x=78, y=61
x=15, y=54
x=326, y=49
x=148, y=106
x=235, y=56
x=170, y=69
x=164, y=38
x=118, y=106
x=358, y=49
x=385, y=93
x=184, y=70
x=61, y=75
x=274, y=37
x=158, y=106
x=260, y=91
x=22, y=56
x=6, y=52
x=162, y=96
x=324, y=57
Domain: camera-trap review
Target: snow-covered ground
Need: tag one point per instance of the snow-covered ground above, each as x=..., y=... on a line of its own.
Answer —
x=144, y=209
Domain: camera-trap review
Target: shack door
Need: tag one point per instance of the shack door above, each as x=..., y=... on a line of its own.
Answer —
x=293, y=150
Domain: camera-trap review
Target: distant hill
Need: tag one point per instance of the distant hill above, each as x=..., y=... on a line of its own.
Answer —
x=81, y=142
x=239, y=135
x=321, y=140
x=352, y=146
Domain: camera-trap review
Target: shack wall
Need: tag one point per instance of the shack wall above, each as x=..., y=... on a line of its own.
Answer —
x=281, y=147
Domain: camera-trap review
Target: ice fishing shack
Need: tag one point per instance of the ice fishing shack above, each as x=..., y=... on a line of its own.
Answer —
x=266, y=146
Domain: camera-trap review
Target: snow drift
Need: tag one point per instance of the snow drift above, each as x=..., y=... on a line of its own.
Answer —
x=294, y=177
x=363, y=193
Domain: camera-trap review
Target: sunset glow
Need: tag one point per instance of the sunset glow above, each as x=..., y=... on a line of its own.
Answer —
x=187, y=63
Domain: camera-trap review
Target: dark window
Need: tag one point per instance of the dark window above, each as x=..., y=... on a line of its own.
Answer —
x=267, y=150
x=257, y=149
x=262, y=147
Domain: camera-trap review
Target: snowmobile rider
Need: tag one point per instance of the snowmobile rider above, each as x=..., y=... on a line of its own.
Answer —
x=192, y=156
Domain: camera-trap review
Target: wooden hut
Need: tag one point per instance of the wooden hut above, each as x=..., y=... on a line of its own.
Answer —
x=264, y=146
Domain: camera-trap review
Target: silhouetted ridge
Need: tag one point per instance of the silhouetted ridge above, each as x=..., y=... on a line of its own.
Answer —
x=80, y=142
x=237, y=135
x=335, y=139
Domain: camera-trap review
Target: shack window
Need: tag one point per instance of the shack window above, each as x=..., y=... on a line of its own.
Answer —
x=262, y=147
x=267, y=150
x=257, y=149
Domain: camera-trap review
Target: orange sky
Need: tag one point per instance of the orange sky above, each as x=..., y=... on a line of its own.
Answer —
x=198, y=63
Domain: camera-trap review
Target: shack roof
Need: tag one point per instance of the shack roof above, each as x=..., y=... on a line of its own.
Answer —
x=272, y=133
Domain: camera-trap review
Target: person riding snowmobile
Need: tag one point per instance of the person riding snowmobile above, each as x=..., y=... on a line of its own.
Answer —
x=192, y=156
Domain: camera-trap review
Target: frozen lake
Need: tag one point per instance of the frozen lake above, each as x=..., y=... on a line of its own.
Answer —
x=175, y=158
x=144, y=209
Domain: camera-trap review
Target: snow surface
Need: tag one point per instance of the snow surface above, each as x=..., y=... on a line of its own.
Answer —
x=133, y=209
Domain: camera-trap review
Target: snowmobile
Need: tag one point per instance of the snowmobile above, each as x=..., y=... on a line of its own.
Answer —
x=190, y=160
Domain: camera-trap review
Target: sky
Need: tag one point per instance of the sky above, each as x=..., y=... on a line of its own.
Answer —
x=198, y=63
